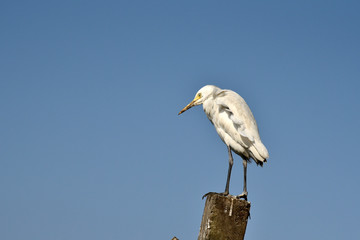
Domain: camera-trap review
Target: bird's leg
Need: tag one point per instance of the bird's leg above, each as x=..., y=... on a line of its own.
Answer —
x=231, y=162
x=244, y=193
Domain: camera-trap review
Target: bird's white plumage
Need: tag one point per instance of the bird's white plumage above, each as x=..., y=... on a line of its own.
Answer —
x=236, y=126
x=233, y=121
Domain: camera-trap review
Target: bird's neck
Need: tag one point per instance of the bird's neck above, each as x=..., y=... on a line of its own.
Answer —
x=208, y=107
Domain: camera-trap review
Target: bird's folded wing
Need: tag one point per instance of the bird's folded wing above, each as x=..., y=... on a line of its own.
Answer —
x=227, y=105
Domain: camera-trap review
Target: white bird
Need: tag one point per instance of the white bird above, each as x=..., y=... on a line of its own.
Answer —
x=235, y=124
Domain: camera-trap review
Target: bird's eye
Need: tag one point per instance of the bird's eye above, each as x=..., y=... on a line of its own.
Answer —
x=199, y=95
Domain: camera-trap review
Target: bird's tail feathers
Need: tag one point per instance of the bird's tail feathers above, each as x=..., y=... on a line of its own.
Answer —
x=259, y=152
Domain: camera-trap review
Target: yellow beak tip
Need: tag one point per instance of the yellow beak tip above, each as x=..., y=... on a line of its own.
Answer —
x=190, y=105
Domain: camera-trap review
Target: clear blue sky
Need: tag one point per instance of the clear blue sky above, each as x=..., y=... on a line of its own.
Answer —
x=92, y=147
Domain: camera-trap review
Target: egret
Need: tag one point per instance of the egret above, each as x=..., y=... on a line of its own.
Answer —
x=236, y=126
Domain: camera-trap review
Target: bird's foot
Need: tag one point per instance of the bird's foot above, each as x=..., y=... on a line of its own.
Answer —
x=243, y=195
x=209, y=193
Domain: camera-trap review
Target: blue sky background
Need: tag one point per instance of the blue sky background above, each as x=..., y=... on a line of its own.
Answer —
x=92, y=147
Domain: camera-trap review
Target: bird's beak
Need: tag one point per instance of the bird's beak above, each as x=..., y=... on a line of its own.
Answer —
x=190, y=105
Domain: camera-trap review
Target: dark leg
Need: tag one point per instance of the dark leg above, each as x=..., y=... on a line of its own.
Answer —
x=231, y=162
x=244, y=193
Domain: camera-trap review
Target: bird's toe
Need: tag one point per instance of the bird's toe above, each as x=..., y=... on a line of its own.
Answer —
x=210, y=193
x=243, y=195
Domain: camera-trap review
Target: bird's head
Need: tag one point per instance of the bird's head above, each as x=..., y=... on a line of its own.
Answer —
x=203, y=94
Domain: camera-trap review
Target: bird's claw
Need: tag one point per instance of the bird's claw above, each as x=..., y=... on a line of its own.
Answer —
x=243, y=195
x=209, y=193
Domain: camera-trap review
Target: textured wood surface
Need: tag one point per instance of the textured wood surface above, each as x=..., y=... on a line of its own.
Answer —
x=224, y=218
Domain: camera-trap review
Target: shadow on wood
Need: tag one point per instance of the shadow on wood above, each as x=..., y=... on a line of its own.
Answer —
x=224, y=218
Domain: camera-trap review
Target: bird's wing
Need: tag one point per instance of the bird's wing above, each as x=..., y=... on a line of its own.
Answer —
x=240, y=115
x=236, y=119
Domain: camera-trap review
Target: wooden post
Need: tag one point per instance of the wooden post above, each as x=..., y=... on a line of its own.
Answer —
x=224, y=218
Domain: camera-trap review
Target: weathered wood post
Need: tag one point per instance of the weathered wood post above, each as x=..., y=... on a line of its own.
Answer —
x=224, y=218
